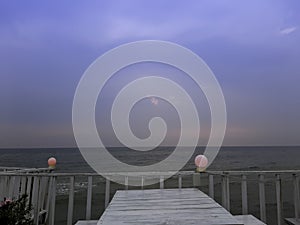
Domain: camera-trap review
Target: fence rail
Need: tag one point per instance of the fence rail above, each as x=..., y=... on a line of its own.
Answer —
x=41, y=187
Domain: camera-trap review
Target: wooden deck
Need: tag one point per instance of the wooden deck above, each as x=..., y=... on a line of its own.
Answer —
x=169, y=206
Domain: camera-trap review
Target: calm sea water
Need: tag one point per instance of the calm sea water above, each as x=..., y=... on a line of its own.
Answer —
x=229, y=158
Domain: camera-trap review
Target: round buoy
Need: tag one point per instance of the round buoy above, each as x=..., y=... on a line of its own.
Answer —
x=201, y=163
x=52, y=162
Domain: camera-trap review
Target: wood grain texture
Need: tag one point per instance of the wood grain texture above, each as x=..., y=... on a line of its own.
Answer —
x=165, y=206
x=249, y=220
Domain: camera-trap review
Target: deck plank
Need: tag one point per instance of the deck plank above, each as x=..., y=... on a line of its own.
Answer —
x=168, y=206
x=87, y=222
x=249, y=220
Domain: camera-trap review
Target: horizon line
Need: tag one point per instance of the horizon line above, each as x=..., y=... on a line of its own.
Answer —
x=70, y=147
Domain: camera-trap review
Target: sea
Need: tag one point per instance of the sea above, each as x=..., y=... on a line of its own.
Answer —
x=229, y=158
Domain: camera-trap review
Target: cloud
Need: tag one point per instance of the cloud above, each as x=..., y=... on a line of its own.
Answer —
x=97, y=25
x=52, y=46
x=288, y=30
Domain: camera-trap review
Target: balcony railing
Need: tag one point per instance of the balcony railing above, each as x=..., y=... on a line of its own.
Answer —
x=41, y=187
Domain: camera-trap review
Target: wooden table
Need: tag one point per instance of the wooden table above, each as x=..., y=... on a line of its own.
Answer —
x=165, y=206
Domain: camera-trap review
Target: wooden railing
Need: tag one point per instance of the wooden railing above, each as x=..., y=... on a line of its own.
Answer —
x=42, y=188
x=273, y=176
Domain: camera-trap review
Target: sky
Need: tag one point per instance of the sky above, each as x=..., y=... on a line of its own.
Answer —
x=251, y=46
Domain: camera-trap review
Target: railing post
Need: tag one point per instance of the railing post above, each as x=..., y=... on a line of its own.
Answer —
x=223, y=182
x=179, y=181
x=228, y=193
x=42, y=192
x=296, y=196
x=244, y=195
x=3, y=186
x=225, y=192
x=16, y=188
x=126, y=182
x=161, y=182
x=278, y=199
x=89, y=198
x=196, y=180
x=142, y=182
x=211, y=186
x=28, y=189
x=48, y=200
x=52, y=204
x=23, y=185
x=262, y=198
x=35, y=195
x=71, y=201
x=107, y=192
x=11, y=186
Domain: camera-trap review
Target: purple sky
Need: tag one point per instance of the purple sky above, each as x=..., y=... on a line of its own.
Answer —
x=251, y=46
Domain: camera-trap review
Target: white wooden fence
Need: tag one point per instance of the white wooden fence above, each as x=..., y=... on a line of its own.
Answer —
x=41, y=188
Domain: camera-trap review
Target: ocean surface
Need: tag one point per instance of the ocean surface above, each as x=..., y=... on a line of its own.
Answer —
x=229, y=158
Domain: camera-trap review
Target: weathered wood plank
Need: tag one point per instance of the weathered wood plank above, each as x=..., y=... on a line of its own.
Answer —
x=165, y=206
x=249, y=220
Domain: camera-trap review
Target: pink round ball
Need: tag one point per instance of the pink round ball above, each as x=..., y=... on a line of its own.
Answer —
x=51, y=162
x=201, y=161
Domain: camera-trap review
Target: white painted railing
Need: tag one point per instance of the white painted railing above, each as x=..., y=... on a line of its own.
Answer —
x=273, y=176
x=41, y=188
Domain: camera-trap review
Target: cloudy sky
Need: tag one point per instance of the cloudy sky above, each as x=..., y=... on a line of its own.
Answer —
x=251, y=46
